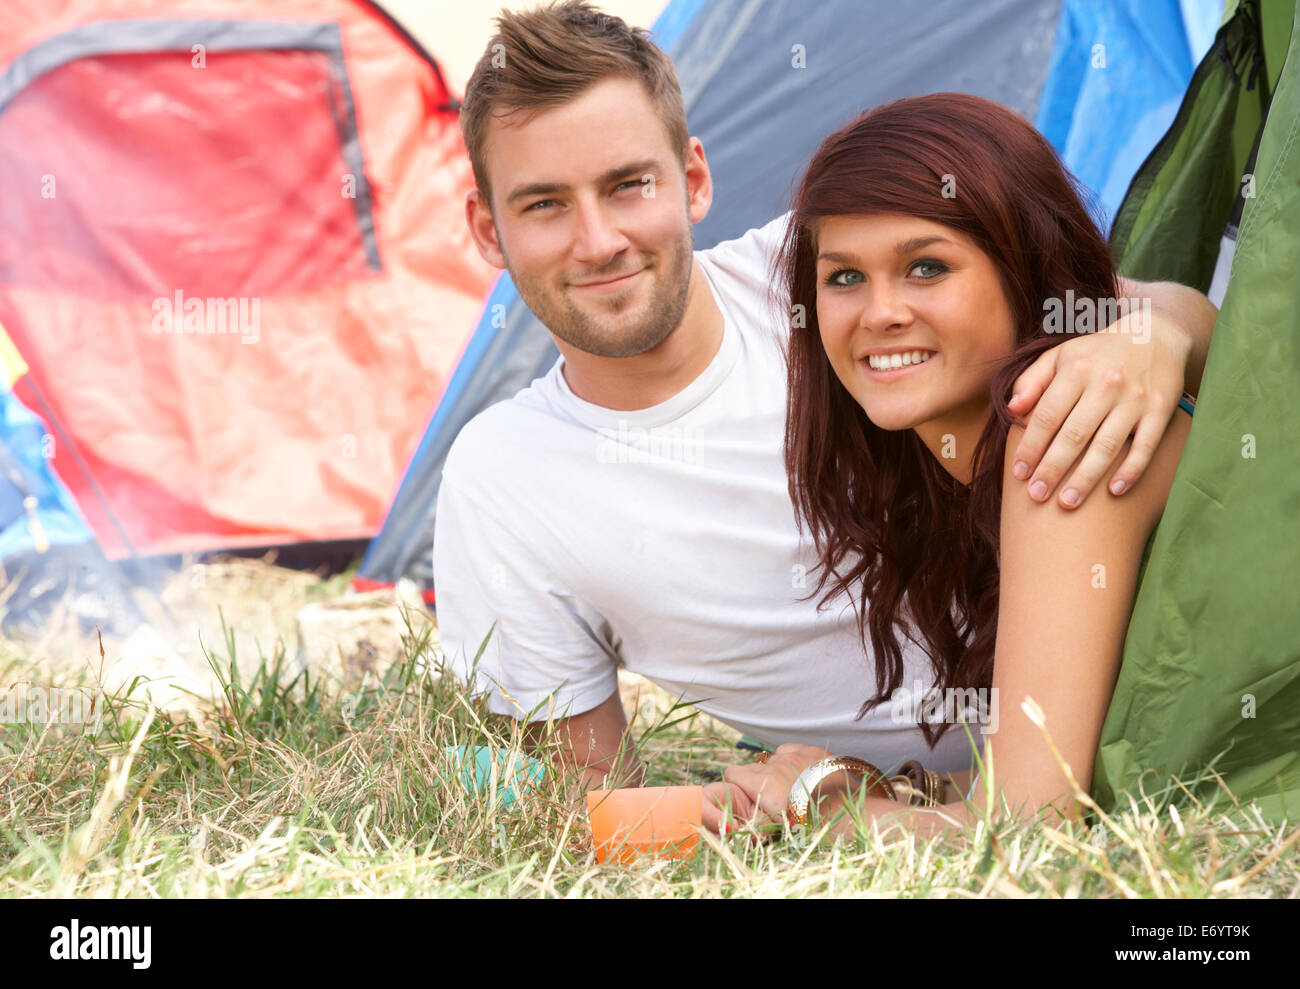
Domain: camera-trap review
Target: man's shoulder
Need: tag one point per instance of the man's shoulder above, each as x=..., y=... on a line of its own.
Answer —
x=743, y=271
x=498, y=440
x=751, y=253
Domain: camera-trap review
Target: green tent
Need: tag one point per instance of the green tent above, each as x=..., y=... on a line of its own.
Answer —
x=1211, y=667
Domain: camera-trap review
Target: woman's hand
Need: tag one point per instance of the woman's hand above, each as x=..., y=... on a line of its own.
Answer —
x=759, y=792
x=1104, y=387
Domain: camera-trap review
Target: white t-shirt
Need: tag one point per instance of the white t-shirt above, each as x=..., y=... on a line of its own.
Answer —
x=662, y=539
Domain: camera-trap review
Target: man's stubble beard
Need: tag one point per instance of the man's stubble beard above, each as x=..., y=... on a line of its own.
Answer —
x=579, y=329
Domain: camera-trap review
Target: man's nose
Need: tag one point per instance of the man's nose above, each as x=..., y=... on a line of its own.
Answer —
x=597, y=239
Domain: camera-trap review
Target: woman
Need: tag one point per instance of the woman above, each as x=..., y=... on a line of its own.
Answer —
x=934, y=242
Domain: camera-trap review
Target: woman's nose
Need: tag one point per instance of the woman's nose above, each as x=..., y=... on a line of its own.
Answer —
x=884, y=309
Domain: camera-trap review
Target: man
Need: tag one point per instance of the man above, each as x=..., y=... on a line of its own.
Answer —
x=631, y=507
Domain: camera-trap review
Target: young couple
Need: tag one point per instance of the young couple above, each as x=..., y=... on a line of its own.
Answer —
x=823, y=411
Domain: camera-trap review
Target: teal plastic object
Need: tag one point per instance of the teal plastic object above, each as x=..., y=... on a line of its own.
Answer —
x=513, y=773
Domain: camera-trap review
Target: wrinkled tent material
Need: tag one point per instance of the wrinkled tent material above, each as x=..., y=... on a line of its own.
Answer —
x=765, y=81
x=235, y=261
x=1211, y=667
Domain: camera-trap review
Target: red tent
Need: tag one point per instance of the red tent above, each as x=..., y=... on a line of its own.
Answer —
x=234, y=260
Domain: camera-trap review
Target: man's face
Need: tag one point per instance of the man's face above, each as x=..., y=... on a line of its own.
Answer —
x=591, y=213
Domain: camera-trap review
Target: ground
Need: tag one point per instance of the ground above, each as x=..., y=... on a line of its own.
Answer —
x=302, y=784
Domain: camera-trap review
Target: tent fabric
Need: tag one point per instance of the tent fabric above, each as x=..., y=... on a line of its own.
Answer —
x=1126, y=87
x=235, y=260
x=1178, y=207
x=36, y=510
x=46, y=548
x=1211, y=668
x=148, y=37
x=760, y=115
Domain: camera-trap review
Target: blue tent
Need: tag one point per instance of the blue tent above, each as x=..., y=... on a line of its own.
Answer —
x=765, y=80
x=37, y=512
x=46, y=547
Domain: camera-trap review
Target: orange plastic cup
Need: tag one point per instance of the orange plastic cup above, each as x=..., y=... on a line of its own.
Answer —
x=656, y=820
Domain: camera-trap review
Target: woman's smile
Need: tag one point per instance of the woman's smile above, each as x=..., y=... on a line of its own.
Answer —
x=887, y=365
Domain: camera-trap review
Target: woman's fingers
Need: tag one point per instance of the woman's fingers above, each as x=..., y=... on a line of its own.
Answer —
x=1031, y=384
x=767, y=787
x=757, y=792
x=1151, y=429
x=1044, y=422
x=1058, y=430
x=1102, y=454
x=1096, y=377
x=726, y=806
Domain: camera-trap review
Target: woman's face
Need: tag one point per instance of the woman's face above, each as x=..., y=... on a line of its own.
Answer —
x=913, y=318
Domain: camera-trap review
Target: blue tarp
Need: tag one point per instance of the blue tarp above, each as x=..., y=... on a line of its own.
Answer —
x=25, y=448
x=1117, y=76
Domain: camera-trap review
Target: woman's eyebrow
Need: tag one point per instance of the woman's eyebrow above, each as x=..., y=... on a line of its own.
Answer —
x=901, y=248
x=837, y=257
x=916, y=243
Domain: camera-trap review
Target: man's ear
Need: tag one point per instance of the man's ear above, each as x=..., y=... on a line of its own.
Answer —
x=479, y=217
x=699, y=181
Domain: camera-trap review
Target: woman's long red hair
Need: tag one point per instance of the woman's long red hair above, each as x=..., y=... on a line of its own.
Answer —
x=915, y=550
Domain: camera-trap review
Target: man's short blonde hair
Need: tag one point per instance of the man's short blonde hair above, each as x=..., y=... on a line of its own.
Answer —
x=542, y=58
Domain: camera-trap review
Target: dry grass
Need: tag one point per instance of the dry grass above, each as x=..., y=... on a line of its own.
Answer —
x=293, y=787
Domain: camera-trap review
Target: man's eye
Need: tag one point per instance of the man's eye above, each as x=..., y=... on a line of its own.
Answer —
x=629, y=184
x=843, y=276
x=539, y=203
x=928, y=268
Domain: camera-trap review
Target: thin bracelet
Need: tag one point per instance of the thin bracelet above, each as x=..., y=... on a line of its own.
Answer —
x=917, y=785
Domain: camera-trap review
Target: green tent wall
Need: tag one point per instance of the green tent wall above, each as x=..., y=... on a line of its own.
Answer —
x=1211, y=667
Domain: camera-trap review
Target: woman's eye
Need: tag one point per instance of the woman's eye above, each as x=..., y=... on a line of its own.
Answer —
x=844, y=276
x=929, y=269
